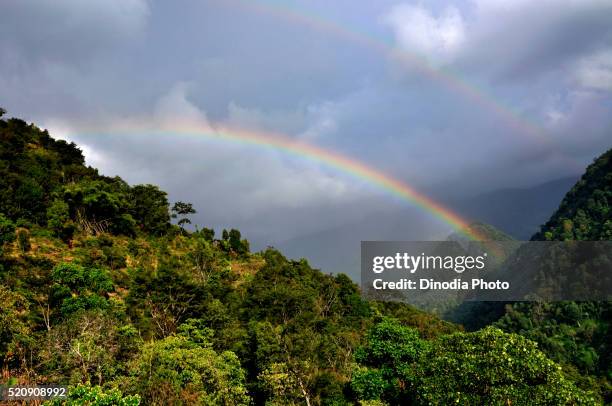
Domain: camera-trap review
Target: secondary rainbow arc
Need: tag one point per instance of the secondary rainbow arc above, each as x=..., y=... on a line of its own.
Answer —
x=444, y=77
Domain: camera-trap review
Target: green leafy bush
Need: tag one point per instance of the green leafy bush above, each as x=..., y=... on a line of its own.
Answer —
x=183, y=368
x=7, y=232
x=79, y=288
x=23, y=240
x=83, y=395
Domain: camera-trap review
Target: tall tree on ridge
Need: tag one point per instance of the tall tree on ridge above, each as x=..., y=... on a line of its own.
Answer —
x=182, y=210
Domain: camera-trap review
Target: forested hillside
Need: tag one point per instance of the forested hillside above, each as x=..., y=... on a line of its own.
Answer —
x=585, y=212
x=100, y=291
x=577, y=334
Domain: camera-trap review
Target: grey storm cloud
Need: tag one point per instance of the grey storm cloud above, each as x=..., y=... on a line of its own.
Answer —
x=72, y=66
x=69, y=31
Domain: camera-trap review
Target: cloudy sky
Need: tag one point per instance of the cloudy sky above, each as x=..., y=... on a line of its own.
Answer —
x=454, y=98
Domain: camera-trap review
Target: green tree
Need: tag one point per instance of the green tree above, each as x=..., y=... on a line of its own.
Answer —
x=184, y=369
x=33, y=168
x=58, y=219
x=182, y=210
x=162, y=301
x=98, y=206
x=236, y=243
x=203, y=257
x=302, y=328
x=493, y=367
x=150, y=209
x=90, y=346
x=208, y=234
x=79, y=288
x=391, y=357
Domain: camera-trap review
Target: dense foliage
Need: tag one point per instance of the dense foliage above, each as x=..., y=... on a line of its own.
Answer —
x=85, y=395
x=486, y=367
x=586, y=211
x=44, y=181
x=100, y=291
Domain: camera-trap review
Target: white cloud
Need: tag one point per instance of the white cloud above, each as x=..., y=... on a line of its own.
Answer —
x=60, y=130
x=418, y=30
x=174, y=106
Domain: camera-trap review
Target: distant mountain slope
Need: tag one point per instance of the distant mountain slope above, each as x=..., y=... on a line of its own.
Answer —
x=337, y=249
x=485, y=231
x=517, y=211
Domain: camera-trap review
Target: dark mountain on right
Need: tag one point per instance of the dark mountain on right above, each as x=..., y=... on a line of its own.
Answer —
x=576, y=334
x=585, y=212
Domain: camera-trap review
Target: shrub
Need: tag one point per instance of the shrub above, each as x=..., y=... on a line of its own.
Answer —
x=94, y=396
x=23, y=240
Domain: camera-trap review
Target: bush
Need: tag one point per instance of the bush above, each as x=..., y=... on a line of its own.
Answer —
x=79, y=288
x=94, y=396
x=59, y=221
x=184, y=368
x=7, y=231
x=24, y=223
x=23, y=240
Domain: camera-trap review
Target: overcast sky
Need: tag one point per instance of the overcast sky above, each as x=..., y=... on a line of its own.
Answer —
x=381, y=81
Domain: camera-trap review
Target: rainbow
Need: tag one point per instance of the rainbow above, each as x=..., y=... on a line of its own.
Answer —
x=330, y=158
x=446, y=78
